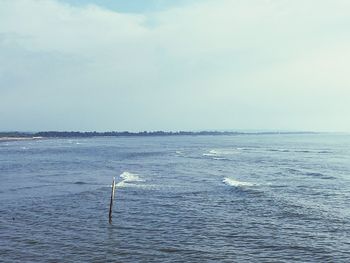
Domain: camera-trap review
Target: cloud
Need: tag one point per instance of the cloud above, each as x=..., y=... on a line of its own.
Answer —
x=206, y=65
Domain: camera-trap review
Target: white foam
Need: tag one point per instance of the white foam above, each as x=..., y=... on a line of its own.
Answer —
x=220, y=152
x=180, y=154
x=128, y=179
x=236, y=183
x=211, y=153
x=219, y=158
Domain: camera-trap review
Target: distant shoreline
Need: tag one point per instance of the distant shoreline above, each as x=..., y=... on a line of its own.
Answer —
x=18, y=136
x=11, y=139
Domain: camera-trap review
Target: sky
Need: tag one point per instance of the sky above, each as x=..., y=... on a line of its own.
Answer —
x=92, y=65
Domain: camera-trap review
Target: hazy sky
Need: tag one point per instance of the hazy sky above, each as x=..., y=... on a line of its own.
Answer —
x=175, y=65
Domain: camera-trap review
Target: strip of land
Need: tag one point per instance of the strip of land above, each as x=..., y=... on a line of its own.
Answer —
x=25, y=138
x=15, y=136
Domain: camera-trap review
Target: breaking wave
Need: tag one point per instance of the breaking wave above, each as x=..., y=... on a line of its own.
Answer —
x=221, y=154
x=211, y=153
x=235, y=183
x=128, y=179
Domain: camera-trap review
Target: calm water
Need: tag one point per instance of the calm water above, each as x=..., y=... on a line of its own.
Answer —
x=247, y=198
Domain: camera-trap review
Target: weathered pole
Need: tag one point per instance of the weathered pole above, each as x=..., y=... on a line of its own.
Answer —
x=111, y=203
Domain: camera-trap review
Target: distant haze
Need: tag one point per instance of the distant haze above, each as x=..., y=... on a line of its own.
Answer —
x=175, y=65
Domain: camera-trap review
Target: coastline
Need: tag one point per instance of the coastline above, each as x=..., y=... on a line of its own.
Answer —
x=13, y=139
x=16, y=136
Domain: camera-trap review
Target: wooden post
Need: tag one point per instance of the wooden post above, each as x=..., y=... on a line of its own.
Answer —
x=111, y=203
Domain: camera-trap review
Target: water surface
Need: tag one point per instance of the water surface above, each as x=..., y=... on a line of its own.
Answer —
x=242, y=198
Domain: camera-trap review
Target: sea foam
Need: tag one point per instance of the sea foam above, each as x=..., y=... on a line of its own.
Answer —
x=236, y=183
x=128, y=179
x=211, y=153
x=221, y=152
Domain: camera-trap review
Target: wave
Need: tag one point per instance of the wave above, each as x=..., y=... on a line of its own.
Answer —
x=303, y=151
x=235, y=183
x=279, y=150
x=324, y=151
x=180, y=154
x=128, y=179
x=243, y=149
x=294, y=171
x=314, y=151
x=221, y=152
x=80, y=182
x=211, y=153
x=298, y=151
x=220, y=158
x=319, y=175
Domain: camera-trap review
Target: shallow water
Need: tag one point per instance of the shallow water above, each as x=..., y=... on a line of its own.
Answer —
x=251, y=198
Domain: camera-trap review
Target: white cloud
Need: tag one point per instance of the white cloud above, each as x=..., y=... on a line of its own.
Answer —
x=211, y=64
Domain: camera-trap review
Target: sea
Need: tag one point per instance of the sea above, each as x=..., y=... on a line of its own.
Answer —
x=232, y=198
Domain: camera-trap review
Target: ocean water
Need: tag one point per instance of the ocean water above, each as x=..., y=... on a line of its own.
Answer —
x=243, y=198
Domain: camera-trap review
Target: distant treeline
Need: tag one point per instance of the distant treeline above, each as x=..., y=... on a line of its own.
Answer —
x=126, y=133
x=16, y=134
x=72, y=134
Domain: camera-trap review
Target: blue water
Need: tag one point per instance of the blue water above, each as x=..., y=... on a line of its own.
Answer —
x=243, y=198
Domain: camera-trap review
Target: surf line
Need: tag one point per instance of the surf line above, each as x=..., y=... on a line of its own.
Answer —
x=111, y=202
